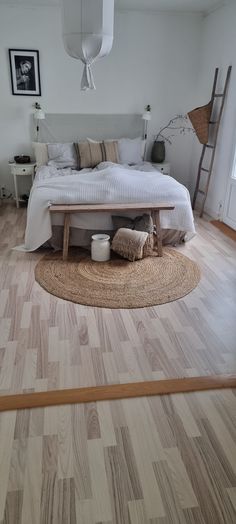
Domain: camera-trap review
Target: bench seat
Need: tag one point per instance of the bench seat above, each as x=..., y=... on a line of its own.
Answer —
x=154, y=209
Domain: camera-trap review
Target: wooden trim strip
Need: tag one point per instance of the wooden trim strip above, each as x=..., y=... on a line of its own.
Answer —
x=84, y=208
x=228, y=231
x=116, y=391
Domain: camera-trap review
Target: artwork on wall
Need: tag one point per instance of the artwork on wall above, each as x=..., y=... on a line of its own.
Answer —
x=25, y=74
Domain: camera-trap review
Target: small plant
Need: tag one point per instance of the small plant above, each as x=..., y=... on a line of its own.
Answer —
x=178, y=123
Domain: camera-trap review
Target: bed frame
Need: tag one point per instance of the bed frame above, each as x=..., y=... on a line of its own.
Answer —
x=74, y=127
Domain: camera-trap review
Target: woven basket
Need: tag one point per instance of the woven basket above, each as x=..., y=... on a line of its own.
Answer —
x=200, y=118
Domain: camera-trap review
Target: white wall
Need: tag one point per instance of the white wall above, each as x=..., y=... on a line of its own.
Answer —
x=155, y=60
x=219, y=50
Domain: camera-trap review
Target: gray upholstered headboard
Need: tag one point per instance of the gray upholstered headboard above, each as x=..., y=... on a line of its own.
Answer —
x=74, y=127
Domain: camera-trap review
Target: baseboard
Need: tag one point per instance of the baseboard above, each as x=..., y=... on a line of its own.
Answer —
x=225, y=229
x=5, y=201
x=211, y=213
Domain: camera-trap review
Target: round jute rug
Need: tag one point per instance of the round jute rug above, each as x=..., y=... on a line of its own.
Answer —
x=118, y=284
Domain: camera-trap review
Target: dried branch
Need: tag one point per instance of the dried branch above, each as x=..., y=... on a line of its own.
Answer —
x=182, y=128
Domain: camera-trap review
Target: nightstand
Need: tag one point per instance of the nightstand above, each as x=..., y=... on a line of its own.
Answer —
x=164, y=167
x=21, y=170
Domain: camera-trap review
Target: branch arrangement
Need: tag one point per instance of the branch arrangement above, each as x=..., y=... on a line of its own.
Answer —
x=183, y=127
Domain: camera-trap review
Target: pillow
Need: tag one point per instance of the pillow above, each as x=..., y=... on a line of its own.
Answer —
x=120, y=221
x=41, y=153
x=140, y=223
x=143, y=223
x=62, y=155
x=109, y=155
x=93, y=141
x=110, y=150
x=90, y=153
x=130, y=150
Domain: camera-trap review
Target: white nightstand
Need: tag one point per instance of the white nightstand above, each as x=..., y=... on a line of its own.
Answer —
x=21, y=170
x=164, y=167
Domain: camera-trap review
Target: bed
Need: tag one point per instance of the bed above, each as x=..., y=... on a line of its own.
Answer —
x=107, y=182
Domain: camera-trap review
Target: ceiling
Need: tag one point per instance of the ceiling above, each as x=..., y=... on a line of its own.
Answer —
x=199, y=6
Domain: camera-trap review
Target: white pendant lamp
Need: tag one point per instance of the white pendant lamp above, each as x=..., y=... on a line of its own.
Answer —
x=87, y=32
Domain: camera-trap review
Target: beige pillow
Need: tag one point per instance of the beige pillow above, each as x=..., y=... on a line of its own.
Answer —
x=41, y=153
x=110, y=149
x=90, y=154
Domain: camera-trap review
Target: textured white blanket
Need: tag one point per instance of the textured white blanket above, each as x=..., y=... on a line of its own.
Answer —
x=108, y=183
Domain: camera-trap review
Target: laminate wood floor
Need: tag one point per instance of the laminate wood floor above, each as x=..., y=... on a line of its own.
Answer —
x=156, y=460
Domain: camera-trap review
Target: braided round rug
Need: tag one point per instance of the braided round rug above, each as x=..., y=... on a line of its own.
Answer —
x=118, y=284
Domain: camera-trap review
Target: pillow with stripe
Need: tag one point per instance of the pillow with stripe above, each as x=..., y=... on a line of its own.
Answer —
x=110, y=149
x=90, y=154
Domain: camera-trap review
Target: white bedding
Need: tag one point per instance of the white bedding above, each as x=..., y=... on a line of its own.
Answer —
x=107, y=183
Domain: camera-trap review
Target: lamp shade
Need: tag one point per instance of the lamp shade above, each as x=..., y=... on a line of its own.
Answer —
x=147, y=115
x=87, y=27
x=39, y=114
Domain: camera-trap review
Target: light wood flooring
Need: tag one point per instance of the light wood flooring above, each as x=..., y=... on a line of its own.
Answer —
x=156, y=460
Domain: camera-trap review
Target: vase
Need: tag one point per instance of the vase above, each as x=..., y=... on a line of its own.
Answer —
x=158, y=152
x=100, y=248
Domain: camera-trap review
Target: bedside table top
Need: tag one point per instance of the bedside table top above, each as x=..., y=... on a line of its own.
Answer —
x=15, y=164
x=165, y=163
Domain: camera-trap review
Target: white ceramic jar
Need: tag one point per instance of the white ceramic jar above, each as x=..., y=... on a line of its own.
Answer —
x=100, y=248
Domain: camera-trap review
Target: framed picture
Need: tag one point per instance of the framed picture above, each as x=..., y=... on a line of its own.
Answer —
x=25, y=74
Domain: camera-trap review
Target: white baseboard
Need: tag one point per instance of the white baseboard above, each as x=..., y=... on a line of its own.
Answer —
x=5, y=201
x=212, y=213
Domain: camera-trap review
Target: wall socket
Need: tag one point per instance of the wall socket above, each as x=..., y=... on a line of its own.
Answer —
x=220, y=209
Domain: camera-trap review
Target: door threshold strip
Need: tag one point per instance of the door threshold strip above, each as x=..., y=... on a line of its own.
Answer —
x=116, y=391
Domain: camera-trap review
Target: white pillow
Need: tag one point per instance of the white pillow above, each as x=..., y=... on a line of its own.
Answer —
x=130, y=150
x=94, y=141
x=41, y=153
x=101, y=141
x=62, y=155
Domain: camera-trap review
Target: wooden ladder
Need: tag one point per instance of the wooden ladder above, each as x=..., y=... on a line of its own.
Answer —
x=211, y=147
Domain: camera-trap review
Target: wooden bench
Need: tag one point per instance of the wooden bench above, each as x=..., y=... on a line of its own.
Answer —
x=67, y=210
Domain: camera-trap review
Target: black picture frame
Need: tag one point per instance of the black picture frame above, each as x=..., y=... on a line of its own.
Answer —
x=25, y=72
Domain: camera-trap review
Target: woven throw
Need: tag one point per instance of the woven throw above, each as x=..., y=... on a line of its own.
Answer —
x=129, y=243
x=150, y=246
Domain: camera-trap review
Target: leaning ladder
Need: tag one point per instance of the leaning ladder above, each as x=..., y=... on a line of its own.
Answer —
x=211, y=147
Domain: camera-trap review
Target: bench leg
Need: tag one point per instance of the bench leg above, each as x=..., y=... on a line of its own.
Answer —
x=66, y=236
x=156, y=220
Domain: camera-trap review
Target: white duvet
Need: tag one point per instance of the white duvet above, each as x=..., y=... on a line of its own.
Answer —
x=107, y=183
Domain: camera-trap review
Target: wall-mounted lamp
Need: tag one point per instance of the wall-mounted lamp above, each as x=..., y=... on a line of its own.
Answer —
x=146, y=117
x=38, y=115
